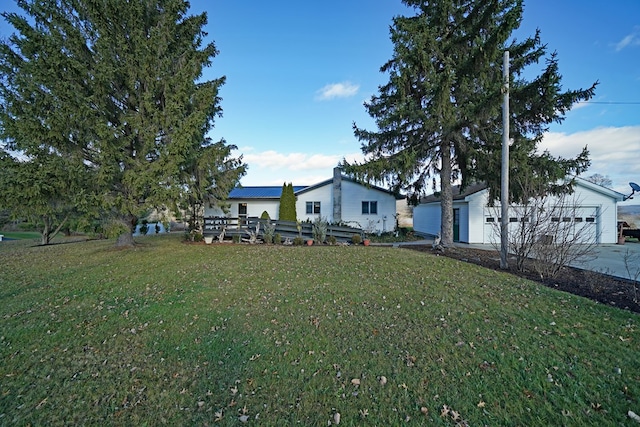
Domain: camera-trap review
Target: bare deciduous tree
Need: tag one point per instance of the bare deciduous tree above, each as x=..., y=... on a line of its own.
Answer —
x=553, y=231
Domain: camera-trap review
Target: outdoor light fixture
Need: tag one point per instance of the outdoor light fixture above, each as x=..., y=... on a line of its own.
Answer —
x=634, y=187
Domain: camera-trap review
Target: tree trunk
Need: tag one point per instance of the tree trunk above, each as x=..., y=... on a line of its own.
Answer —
x=446, y=196
x=126, y=239
x=45, y=231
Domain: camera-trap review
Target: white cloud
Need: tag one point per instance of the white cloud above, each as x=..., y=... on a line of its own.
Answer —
x=632, y=39
x=337, y=90
x=273, y=168
x=614, y=151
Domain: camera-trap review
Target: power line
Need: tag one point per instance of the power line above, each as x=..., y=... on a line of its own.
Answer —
x=610, y=102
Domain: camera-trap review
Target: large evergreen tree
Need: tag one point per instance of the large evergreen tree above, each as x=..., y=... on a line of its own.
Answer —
x=439, y=114
x=119, y=85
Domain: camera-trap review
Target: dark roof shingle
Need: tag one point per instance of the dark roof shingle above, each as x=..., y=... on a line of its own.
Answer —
x=457, y=195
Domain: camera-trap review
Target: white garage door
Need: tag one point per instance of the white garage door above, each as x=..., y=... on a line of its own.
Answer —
x=581, y=223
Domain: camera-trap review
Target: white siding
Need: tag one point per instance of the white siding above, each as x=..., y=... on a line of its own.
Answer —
x=587, y=201
x=213, y=211
x=475, y=205
x=426, y=219
x=321, y=194
x=254, y=207
x=354, y=194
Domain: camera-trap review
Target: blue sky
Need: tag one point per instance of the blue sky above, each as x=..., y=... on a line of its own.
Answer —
x=298, y=73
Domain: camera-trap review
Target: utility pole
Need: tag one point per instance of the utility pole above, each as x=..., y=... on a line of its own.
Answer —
x=504, y=181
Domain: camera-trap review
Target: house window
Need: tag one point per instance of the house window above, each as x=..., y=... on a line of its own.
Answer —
x=513, y=219
x=590, y=219
x=578, y=219
x=491, y=219
x=370, y=208
x=313, y=208
x=566, y=219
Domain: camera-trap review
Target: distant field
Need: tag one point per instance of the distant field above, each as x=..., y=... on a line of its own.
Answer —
x=20, y=235
x=626, y=209
x=171, y=333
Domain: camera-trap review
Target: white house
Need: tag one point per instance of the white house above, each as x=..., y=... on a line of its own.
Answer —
x=591, y=208
x=339, y=199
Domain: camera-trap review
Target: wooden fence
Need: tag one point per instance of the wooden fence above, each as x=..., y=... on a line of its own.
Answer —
x=213, y=226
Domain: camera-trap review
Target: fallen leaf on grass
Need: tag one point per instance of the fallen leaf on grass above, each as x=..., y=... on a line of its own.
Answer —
x=355, y=382
x=445, y=411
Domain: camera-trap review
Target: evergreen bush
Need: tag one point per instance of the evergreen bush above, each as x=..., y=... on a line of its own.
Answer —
x=287, y=210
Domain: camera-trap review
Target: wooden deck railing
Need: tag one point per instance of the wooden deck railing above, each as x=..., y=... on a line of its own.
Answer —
x=213, y=226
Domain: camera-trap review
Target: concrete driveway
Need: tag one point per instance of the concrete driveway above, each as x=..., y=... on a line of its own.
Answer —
x=610, y=259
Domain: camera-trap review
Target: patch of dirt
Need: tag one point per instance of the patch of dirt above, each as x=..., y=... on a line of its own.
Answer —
x=599, y=287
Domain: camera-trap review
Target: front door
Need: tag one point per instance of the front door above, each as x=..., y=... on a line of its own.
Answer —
x=456, y=225
x=242, y=213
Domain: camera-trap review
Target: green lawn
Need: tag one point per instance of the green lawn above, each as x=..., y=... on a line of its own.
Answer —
x=21, y=234
x=176, y=334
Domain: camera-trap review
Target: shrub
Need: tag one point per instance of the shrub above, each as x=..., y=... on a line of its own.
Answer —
x=277, y=239
x=265, y=215
x=332, y=240
x=319, y=229
x=356, y=239
x=236, y=238
x=298, y=241
x=269, y=231
x=144, y=227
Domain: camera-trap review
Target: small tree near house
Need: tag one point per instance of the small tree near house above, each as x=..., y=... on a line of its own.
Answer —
x=287, y=209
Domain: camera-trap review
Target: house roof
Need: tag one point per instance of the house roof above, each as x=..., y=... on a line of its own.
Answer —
x=259, y=192
x=457, y=194
x=344, y=178
x=600, y=189
x=475, y=188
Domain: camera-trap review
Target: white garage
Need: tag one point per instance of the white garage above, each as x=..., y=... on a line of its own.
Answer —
x=589, y=214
